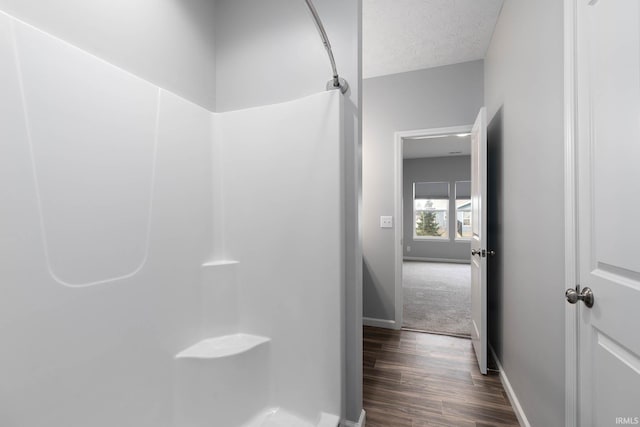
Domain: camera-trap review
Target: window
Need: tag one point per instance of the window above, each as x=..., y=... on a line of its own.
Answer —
x=431, y=210
x=463, y=210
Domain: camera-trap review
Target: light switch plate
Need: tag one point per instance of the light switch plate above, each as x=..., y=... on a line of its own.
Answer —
x=386, y=222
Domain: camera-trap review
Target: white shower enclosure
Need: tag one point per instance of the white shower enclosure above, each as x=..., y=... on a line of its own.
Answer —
x=162, y=265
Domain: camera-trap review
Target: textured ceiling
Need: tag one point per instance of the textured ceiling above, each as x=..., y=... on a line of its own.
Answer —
x=436, y=147
x=407, y=35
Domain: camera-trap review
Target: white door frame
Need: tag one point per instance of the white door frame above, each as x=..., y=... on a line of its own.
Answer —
x=397, y=203
x=570, y=213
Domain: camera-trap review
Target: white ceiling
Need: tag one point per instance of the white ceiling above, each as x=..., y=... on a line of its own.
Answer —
x=407, y=35
x=414, y=148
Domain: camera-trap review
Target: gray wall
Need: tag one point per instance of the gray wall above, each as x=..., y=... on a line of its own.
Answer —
x=259, y=63
x=167, y=42
x=268, y=52
x=432, y=98
x=434, y=169
x=523, y=87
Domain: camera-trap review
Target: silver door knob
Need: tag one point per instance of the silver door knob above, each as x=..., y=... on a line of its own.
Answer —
x=482, y=252
x=586, y=296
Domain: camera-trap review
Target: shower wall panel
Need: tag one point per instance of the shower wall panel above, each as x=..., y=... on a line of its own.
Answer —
x=105, y=222
x=87, y=120
x=283, y=221
x=118, y=202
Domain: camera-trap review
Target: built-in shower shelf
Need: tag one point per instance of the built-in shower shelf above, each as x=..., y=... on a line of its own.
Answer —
x=224, y=346
x=220, y=263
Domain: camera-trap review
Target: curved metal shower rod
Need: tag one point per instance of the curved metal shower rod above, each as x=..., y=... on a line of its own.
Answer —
x=336, y=82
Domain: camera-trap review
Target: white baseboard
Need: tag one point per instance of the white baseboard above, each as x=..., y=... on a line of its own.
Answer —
x=447, y=260
x=379, y=323
x=360, y=423
x=511, y=394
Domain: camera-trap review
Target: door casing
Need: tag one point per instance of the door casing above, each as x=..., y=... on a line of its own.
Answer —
x=570, y=214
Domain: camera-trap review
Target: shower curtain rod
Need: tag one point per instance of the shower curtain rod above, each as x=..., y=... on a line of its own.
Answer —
x=336, y=82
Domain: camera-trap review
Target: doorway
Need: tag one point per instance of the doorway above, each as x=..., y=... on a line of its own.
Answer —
x=434, y=196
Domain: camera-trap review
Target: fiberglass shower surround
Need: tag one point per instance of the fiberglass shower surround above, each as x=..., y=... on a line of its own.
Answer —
x=168, y=266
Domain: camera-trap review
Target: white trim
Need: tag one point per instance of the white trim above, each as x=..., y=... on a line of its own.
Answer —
x=511, y=394
x=360, y=423
x=379, y=323
x=447, y=260
x=434, y=131
x=428, y=238
x=397, y=209
x=570, y=212
x=397, y=203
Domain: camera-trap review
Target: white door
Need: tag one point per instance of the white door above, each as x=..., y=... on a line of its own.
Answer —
x=608, y=190
x=479, y=239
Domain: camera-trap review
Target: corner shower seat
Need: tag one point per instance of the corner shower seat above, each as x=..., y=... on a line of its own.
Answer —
x=222, y=381
x=224, y=346
x=225, y=380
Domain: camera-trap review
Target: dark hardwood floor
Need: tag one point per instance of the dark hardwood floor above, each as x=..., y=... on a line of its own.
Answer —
x=414, y=379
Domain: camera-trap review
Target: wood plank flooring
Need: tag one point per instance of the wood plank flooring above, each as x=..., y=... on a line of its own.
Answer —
x=414, y=379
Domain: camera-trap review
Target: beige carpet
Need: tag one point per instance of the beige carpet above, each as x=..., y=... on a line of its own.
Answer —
x=437, y=297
